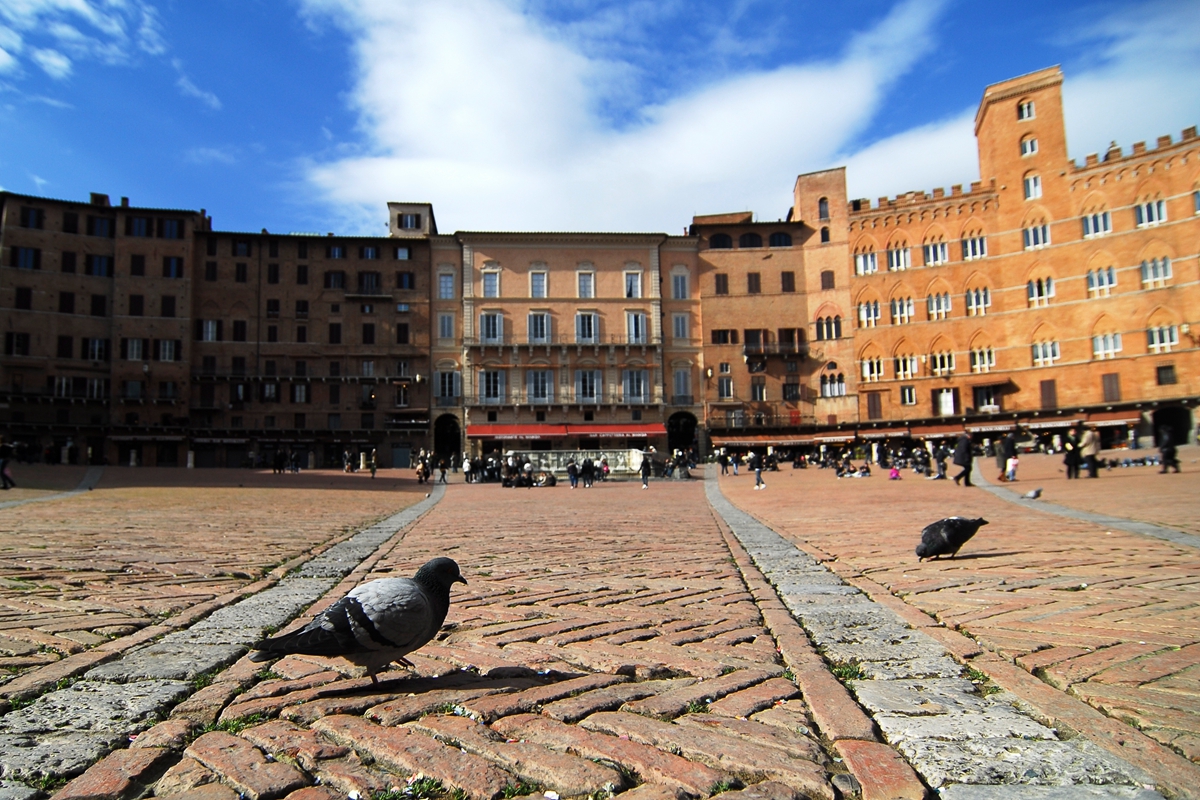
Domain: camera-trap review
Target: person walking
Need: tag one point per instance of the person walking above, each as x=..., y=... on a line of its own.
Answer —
x=587, y=472
x=373, y=463
x=755, y=462
x=962, y=458
x=573, y=473
x=645, y=470
x=1089, y=450
x=940, y=454
x=6, y=456
x=1071, y=457
x=1166, y=447
x=1008, y=447
x=723, y=460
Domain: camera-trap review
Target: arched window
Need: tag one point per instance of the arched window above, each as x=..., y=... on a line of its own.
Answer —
x=906, y=367
x=1106, y=345
x=936, y=252
x=823, y=208
x=825, y=235
x=1029, y=146
x=833, y=385
x=1097, y=223
x=749, y=240
x=941, y=362
x=720, y=241
x=1046, y=353
x=903, y=310
x=829, y=328
x=780, y=239
x=938, y=305
x=979, y=300
x=898, y=257
x=868, y=314
x=1101, y=282
x=866, y=263
x=1036, y=235
x=1040, y=290
x=1033, y=186
x=1156, y=272
x=872, y=370
x=974, y=245
x=1150, y=212
x=1162, y=338
x=983, y=359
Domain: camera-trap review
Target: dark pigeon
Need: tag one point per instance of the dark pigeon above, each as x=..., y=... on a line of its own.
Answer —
x=377, y=623
x=1033, y=495
x=946, y=536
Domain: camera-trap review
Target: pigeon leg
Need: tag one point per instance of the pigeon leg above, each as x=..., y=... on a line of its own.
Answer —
x=374, y=680
x=404, y=662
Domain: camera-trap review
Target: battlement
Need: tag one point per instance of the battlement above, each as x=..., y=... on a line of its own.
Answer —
x=916, y=198
x=1114, y=153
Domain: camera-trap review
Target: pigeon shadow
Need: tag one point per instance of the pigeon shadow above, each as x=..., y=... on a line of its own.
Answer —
x=501, y=679
x=974, y=556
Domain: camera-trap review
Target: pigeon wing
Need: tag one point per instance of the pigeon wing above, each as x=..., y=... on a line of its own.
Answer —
x=365, y=620
x=399, y=614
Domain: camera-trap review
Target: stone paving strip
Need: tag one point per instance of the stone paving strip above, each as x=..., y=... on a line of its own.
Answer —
x=1106, y=520
x=964, y=742
x=65, y=730
x=89, y=480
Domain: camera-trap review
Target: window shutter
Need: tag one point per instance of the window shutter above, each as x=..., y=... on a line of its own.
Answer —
x=219, y=336
x=124, y=349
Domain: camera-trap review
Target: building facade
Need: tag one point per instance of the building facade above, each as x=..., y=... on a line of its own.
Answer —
x=1048, y=293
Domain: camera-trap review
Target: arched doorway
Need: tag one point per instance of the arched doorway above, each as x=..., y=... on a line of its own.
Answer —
x=447, y=437
x=681, y=431
x=1178, y=419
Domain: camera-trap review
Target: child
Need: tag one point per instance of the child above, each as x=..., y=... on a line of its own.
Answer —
x=894, y=475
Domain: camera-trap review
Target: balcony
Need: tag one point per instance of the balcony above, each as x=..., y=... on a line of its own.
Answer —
x=776, y=349
x=683, y=400
x=551, y=341
x=760, y=415
x=446, y=402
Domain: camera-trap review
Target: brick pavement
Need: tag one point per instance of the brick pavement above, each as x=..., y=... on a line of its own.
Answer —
x=607, y=642
x=1107, y=616
x=1137, y=493
x=84, y=576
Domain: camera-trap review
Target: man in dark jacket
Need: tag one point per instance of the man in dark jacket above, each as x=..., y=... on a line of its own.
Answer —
x=1166, y=447
x=1008, y=451
x=962, y=458
x=646, y=468
x=1071, y=457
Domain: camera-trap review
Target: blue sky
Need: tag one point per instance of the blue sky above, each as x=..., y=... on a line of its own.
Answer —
x=309, y=115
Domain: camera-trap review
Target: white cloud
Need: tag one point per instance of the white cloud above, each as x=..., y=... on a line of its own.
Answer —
x=53, y=63
x=189, y=89
x=209, y=155
x=486, y=112
x=59, y=31
x=1141, y=81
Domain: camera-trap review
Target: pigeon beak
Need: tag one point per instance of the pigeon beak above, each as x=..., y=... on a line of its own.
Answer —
x=460, y=579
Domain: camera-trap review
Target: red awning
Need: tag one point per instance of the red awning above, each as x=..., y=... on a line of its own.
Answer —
x=532, y=431
x=1106, y=418
x=936, y=430
x=760, y=439
x=625, y=431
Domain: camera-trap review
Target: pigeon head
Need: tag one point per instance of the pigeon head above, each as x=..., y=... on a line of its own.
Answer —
x=440, y=573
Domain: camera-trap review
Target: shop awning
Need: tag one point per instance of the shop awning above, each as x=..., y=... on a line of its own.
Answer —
x=531, y=431
x=208, y=440
x=759, y=440
x=1103, y=419
x=1042, y=424
x=626, y=431
x=991, y=427
x=883, y=433
x=150, y=438
x=936, y=430
x=827, y=438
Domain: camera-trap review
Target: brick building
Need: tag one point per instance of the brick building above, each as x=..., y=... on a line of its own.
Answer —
x=1050, y=292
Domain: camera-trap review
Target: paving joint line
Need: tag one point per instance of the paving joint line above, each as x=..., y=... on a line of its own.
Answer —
x=1121, y=523
x=64, y=731
x=965, y=745
x=88, y=482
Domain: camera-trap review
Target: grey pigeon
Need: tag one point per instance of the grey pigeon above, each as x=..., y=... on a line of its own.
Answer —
x=946, y=536
x=1034, y=495
x=376, y=623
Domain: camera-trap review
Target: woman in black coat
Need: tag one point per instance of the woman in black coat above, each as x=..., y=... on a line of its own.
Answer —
x=962, y=458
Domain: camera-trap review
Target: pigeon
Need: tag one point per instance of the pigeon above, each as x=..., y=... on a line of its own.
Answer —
x=376, y=623
x=1033, y=495
x=946, y=536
